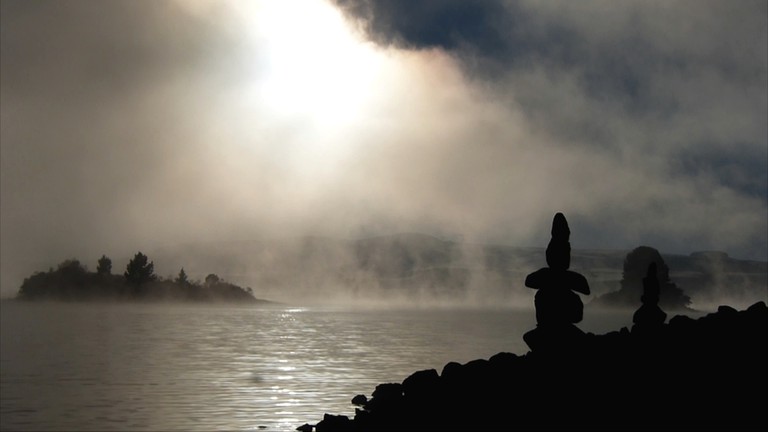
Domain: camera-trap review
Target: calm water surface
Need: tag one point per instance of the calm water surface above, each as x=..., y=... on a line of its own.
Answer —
x=182, y=367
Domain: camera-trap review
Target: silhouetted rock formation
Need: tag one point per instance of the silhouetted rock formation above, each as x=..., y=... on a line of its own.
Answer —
x=558, y=307
x=649, y=317
x=635, y=268
x=704, y=374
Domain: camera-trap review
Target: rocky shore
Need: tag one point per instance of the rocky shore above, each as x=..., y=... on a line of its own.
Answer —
x=692, y=374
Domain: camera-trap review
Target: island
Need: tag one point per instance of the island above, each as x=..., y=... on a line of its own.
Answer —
x=636, y=264
x=72, y=281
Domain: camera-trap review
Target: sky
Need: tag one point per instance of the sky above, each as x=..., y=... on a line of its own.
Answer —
x=129, y=125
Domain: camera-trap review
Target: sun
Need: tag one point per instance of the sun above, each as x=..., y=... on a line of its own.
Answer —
x=305, y=84
x=312, y=64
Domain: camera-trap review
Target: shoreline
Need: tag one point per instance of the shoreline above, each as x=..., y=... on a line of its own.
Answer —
x=707, y=373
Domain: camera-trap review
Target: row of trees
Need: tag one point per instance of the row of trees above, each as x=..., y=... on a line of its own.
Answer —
x=71, y=280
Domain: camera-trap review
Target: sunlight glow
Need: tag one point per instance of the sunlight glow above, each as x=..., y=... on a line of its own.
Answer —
x=316, y=67
x=304, y=82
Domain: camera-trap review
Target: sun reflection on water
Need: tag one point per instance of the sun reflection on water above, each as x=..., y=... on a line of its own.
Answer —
x=219, y=368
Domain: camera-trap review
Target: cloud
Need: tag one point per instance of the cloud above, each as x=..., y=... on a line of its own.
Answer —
x=661, y=123
x=129, y=126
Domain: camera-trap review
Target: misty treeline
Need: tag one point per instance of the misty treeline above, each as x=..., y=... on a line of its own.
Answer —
x=405, y=269
x=71, y=280
x=412, y=268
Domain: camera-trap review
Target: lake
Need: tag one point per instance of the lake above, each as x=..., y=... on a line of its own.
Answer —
x=148, y=367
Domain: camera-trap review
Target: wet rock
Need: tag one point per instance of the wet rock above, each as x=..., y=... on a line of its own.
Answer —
x=388, y=391
x=306, y=427
x=359, y=400
x=335, y=423
x=421, y=384
x=386, y=398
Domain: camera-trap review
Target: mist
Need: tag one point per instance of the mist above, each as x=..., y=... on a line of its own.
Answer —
x=132, y=126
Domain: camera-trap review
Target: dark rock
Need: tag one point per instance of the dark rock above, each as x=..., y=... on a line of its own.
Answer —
x=724, y=309
x=759, y=307
x=388, y=391
x=421, y=384
x=335, y=423
x=709, y=373
x=649, y=317
x=554, y=339
x=558, y=306
x=359, y=400
x=306, y=427
x=689, y=374
x=503, y=358
x=558, y=253
x=681, y=321
x=476, y=367
x=555, y=301
x=450, y=370
x=386, y=398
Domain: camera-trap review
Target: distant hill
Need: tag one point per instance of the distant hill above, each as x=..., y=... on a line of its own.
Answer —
x=416, y=267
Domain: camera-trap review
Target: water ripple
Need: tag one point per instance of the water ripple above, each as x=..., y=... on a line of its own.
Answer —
x=193, y=368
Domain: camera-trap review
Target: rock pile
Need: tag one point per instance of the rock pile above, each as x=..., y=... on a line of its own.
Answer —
x=558, y=307
x=708, y=373
x=703, y=374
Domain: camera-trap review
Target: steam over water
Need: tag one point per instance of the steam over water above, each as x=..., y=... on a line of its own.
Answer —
x=181, y=367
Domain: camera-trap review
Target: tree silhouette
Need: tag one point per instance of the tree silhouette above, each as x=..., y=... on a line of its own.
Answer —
x=212, y=279
x=182, y=278
x=636, y=266
x=72, y=268
x=104, y=266
x=72, y=281
x=139, y=270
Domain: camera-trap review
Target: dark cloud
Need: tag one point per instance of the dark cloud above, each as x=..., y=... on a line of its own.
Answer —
x=616, y=48
x=739, y=166
x=432, y=24
x=654, y=64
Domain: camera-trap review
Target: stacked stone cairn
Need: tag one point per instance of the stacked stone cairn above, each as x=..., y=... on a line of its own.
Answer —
x=649, y=318
x=558, y=307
